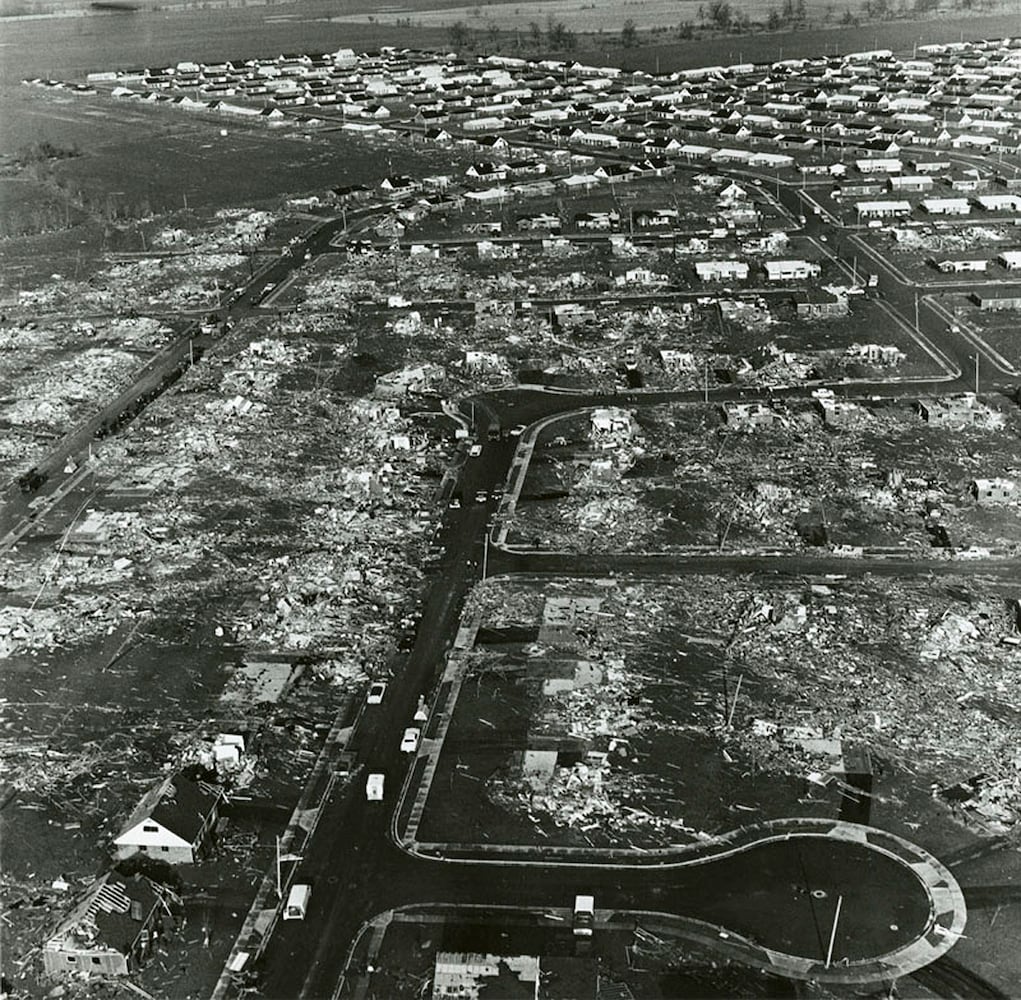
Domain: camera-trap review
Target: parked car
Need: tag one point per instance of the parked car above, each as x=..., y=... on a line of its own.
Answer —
x=409, y=742
x=376, y=692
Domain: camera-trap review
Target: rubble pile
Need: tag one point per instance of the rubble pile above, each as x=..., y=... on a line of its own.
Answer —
x=878, y=477
x=948, y=241
x=53, y=399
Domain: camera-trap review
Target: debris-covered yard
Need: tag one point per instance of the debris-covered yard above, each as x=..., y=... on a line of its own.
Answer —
x=240, y=559
x=844, y=472
x=643, y=714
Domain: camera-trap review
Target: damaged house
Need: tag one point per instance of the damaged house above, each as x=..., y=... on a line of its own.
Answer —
x=175, y=822
x=990, y=491
x=112, y=929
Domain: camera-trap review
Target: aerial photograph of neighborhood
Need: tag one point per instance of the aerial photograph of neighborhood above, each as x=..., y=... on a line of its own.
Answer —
x=510, y=500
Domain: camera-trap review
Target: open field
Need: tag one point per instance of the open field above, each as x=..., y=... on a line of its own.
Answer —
x=577, y=15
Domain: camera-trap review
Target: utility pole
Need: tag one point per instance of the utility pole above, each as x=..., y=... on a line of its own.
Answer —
x=485, y=554
x=976, y=373
x=280, y=894
x=705, y=383
x=916, y=312
x=833, y=932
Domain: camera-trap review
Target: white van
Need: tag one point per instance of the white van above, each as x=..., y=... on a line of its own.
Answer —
x=297, y=901
x=584, y=915
x=374, y=788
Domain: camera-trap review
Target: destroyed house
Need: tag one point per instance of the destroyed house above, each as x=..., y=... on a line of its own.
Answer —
x=609, y=425
x=464, y=976
x=748, y=416
x=111, y=929
x=175, y=822
x=987, y=491
x=819, y=304
x=677, y=361
x=951, y=410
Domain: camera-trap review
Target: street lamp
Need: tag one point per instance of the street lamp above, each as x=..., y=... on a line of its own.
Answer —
x=975, y=356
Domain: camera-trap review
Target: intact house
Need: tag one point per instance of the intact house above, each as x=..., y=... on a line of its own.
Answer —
x=721, y=270
x=1010, y=259
x=175, y=822
x=111, y=929
x=791, y=270
x=961, y=266
x=399, y=186
x=988, y=491
x=996, y=302
x=999, y=202
x=946, y=206
x=882, y=209
x=910, y=182
x=597, y=221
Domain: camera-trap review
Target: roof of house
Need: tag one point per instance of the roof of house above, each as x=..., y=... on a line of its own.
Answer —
x=175, y=803
x=102, y=918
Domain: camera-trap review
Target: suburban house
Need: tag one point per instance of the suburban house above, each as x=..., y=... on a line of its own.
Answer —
x=111, y=929
x=961, y=266
x=175, y=822
x=791, y=270
x=996, y=301
x=721, y=270
x=882, y=209
x=987, y=491
x=946, y=206
x=398, y=187
x=911, y=182
x=1010, y=259
x=999, y=202
x=598, y=221
x=879, y=166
